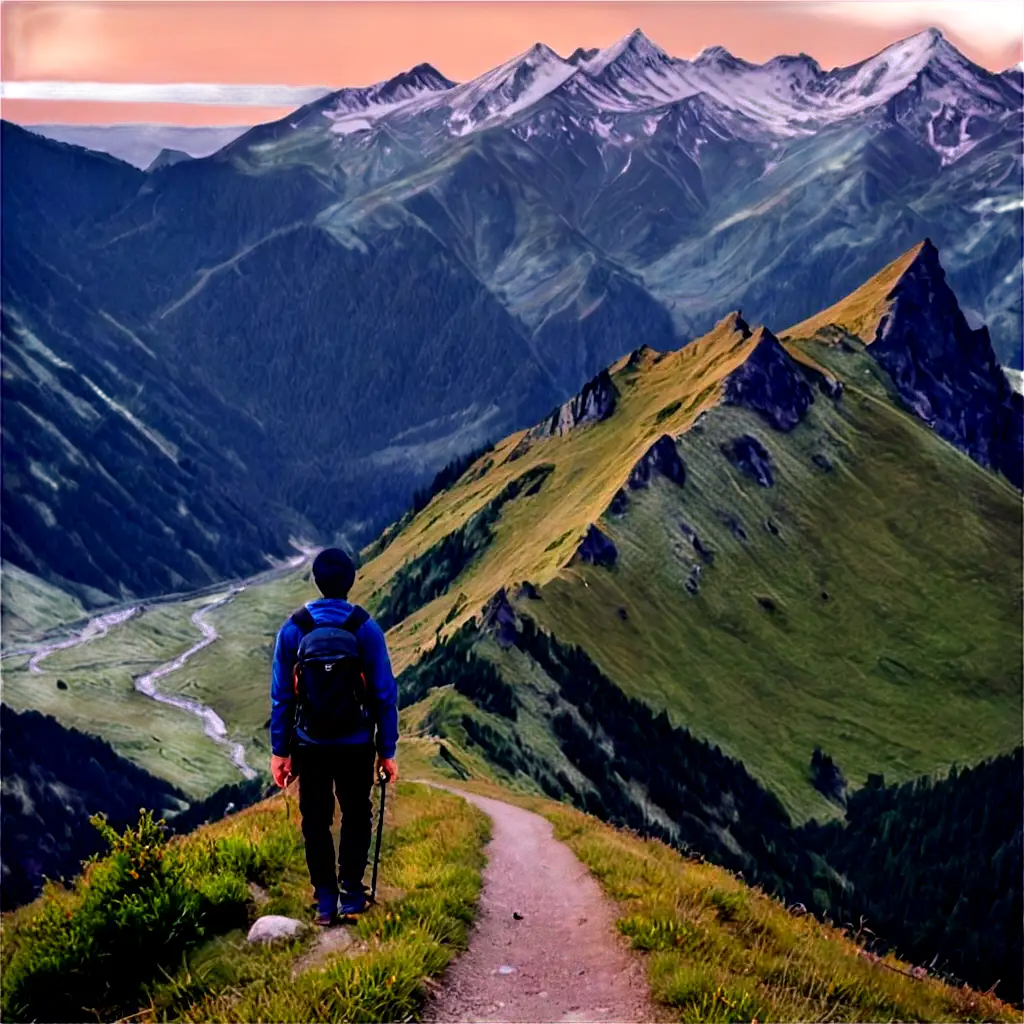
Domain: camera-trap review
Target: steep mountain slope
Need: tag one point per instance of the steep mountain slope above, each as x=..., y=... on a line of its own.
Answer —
x=235, y=418
x=800, y=531
x=135, y=457
x=280, y=296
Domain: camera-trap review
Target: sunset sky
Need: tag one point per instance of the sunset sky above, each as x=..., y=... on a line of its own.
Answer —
x=297, y=43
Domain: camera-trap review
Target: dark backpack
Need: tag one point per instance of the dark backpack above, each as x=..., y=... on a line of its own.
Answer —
x=328, y=678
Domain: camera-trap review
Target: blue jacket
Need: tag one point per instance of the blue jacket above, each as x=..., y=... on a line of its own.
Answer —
x=381, y=686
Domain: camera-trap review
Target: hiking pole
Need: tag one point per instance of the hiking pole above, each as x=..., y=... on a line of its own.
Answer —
x=382, y=779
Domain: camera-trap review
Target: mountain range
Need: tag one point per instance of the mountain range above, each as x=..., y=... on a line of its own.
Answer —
x=280, y=341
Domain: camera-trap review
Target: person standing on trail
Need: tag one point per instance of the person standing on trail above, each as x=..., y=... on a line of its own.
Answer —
x=334, y=707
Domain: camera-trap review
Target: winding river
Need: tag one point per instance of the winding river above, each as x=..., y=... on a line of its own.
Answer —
x=213, y=724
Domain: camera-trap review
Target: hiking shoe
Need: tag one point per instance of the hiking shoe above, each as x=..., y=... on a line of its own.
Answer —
x=352, y=903
x=326, y=909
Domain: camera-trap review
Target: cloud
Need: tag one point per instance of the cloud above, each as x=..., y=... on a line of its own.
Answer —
x=195, y=93
x=991, y=23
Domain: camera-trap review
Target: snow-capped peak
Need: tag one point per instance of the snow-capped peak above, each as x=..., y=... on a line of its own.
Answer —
x=420, y=79
x=354, y=109
x=795, y=60
x=923, y=82
x=507, y=89
x=719, y=56
x=582, y=54
x=952, y=79
x=635, y=48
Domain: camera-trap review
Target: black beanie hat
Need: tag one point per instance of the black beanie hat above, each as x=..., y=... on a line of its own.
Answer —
x=333, y=572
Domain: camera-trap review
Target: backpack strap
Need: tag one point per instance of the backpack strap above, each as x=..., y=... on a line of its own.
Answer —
x=303, y=619
x=356, y=620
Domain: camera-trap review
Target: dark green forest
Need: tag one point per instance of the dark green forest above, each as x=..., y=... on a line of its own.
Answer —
x=54, y=779
x=933, y=868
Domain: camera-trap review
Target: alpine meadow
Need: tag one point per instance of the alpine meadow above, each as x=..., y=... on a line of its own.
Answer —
x=670, y=412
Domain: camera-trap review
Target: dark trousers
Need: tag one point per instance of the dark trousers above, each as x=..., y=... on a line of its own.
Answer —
x=346, y=770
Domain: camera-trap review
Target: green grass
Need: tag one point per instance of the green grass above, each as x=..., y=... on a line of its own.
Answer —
x=895, y=644
x=101, y=699
x=716, y=950
x=429, y=885
x=31, y=605
x=121, y=953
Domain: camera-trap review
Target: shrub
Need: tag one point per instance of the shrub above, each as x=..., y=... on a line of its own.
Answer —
x=92, y=952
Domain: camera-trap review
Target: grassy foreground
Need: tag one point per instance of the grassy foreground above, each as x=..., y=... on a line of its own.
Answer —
x=156, y=931
x=717, y=950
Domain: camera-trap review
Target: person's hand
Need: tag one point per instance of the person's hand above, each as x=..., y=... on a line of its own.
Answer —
x=389, y=766
x=281, y=769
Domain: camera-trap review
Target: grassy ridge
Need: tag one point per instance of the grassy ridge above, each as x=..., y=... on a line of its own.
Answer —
x=717, y=950
x=199, y=968
x=890, y=579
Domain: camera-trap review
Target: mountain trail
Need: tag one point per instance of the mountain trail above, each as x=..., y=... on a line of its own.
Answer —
x=545, y=946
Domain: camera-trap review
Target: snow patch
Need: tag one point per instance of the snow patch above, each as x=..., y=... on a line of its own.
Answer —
x=348, y=126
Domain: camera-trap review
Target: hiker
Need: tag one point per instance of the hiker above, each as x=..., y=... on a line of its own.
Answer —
x=332, y=711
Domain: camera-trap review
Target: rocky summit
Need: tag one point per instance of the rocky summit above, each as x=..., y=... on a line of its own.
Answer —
x=770, y=383
x=947, y=372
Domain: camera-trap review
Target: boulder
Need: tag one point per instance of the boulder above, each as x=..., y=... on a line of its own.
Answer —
x=273, y=926
x=619, y=503
x=693, y=580
x=499, y=618
x=707, y=555
x=594, y=403
x=771, y=383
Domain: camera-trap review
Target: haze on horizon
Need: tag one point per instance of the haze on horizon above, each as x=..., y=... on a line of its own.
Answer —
x=296, y=43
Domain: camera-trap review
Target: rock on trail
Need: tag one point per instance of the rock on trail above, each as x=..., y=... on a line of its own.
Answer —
x=562, y=959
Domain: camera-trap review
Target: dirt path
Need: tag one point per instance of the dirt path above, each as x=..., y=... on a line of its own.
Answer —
x=563, y=961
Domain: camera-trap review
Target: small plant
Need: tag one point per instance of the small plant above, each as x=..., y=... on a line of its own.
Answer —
x=659, y=933
x=93, y=951
x=730, y=906
x=723, y=1006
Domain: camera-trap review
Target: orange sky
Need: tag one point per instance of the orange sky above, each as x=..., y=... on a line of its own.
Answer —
x=296, y=42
